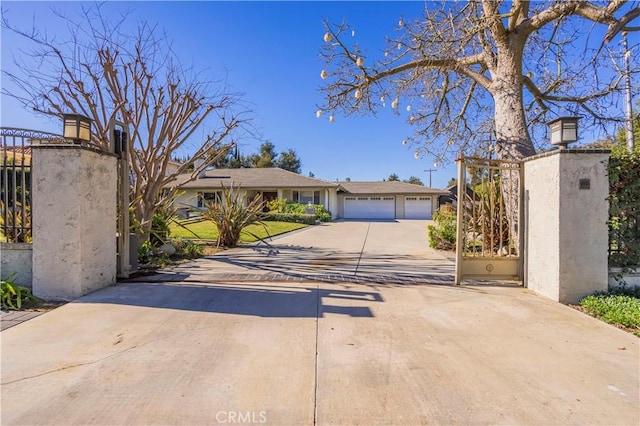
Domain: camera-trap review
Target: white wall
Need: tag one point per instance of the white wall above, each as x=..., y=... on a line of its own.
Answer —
x=567, y=235
x=16, y=258
x=74, y=221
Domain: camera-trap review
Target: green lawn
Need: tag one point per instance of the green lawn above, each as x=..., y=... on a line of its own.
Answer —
x=207, y=231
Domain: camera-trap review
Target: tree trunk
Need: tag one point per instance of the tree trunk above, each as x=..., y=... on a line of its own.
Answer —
x=513, y=141
x=512, y=136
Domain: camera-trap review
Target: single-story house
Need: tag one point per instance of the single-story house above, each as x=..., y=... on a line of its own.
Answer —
x=345, y=200
x=266, y=183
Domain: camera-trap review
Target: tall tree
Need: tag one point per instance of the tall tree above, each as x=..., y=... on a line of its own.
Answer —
x=289, y=160
x=460, y=71
x=393, y=177
x=266, y=157
x=106, y=72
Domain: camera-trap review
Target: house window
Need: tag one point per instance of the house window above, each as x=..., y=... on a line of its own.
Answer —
x=207, y=198
x=305, y=197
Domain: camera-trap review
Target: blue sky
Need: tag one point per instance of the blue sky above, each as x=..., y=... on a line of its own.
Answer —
x=270, y=51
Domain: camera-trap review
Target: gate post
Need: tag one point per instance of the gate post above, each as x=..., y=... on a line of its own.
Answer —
x=74, y=220
x=567, y=214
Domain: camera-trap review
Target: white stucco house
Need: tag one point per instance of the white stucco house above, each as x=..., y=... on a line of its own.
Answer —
x=345, y=200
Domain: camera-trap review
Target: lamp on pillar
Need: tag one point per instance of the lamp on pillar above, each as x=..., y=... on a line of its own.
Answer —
x=76, y=127
x=564, y=130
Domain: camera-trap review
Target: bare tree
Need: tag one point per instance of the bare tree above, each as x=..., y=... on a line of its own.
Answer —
x=466, y=68
x=106, y=73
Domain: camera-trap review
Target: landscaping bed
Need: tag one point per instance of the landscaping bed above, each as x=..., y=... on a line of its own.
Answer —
x=619, y=307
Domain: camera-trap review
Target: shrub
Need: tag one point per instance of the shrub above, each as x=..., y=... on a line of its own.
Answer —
x=231, y=216
x=282, y=205
x=307, y=219
x=186, y=248
x=442, y=235
x=279, y=205
x=13, y=295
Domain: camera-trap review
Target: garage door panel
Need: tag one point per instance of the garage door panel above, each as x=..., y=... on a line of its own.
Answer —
x=369, y=208
x=417, y=207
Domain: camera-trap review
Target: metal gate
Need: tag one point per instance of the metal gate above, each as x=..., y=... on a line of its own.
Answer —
x=490, y=234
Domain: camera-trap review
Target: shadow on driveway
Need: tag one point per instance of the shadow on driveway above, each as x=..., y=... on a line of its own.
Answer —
x=298, y=263
x=253, y=300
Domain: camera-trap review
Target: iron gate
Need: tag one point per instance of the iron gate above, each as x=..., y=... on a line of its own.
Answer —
x=490, y=209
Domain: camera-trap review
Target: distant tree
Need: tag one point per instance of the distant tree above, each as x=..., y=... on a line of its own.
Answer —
x=267, y=156
x=311, y=174
x=414, y=180
x=347, y=179
x=233, y=160
x=452, y=182
x=289, y=160
x=393, y=177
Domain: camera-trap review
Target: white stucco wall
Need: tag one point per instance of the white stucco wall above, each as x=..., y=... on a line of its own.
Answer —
x=74, y=221
x=542, y=202
x=567, y=234
x=16, y=258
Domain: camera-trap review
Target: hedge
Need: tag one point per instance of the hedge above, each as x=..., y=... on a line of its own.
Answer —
x=307, y=219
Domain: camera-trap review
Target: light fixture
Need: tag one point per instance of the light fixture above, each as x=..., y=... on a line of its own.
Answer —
x=564, y=130
x=76, y=127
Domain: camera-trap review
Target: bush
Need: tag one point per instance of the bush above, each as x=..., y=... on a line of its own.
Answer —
x=231, y=216
x=13, y=295
x=186, y=248
x=442, y=236
x=284, y=206
x=307, y=219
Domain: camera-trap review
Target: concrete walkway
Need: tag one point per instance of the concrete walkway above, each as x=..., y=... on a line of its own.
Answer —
x=199, y=351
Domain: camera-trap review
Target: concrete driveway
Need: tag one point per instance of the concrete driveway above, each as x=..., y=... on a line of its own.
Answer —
x=382, y=251
x=304, y=352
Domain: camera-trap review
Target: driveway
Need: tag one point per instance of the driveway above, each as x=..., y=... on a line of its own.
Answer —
x=381, y=251
x=306, y=351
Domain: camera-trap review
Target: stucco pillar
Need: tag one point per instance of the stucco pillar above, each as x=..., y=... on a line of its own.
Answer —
x=566, y=223
x=74, y=220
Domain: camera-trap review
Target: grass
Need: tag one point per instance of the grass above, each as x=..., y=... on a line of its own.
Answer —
x=206, y=230
x=619, y=307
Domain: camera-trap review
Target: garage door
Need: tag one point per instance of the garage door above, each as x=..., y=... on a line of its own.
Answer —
x=369, y=208
x=417, y=207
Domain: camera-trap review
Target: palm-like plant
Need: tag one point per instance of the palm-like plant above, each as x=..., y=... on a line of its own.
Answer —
x=231, y=215
x=15, y=223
